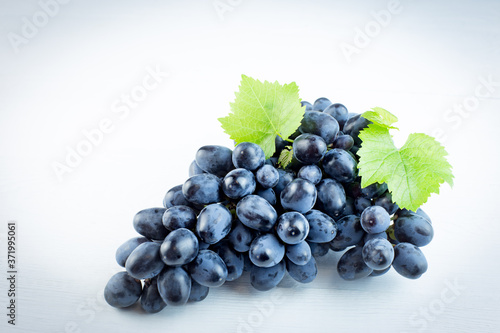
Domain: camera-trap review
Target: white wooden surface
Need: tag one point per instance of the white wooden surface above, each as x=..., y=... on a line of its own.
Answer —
x=65, y=79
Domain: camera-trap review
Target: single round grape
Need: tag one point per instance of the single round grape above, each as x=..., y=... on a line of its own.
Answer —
x=322, y=228
x=266, y=251
x=238, y=183
x=151, y=301
x=321, y=103
x=267, y=176
x=286, y=178
x=194, y=169
x=385, y=201
x=122, y=290
x=413, y=229
x=202, y=189
x=208, y=269
x=351, y=265
x=266, y=278
x=292, y=227
x=307, y=105
x=339, y=112
x=179, y=247
x=241, y=237
x=145, y=261
x=148, y=222
x=216, y=160
x=303, y=273
x=174, y=197
x=361, y=204
x=331, y=197
x=299, y=195
x=198, y=292
x=375, y=219
x=374, y=190
x=349, y=233
x=319, y=249
x=311, y=173
x=309, y=148
x=248, y=155
x=174, y=286
x=299, y=253
x=214, y=223
x=233, y=260
x=378, y=253
x=409, y=261
x=340, y=165
x=268, y=194
x=344, y=142
x=321, y=124
x=256, y=212
x=179, y=217
x=126, y=249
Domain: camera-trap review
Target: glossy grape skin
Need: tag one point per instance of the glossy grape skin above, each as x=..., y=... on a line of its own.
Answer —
x=307, y=105
x=374, y=190
x=340, y=165
x=344, y=142
x=351, y=265
x=122, y=290
x=404, y=212
x=148, y=223
x=354, y=125
x=413, y=229
x=299, y=195
x=214, y=223
x=241, y=237
x=349, y=233
x=361, y=204
x=174, y=197
x=303, y=273
x=216, y=160
x=385, y=201
x=285, y=178
x=179, y=247
x=292, y=227
x=368, y=237
x=145, y=261
x=321, y=124
x=233, y=260
x=202, y=189
x=194, y=169
x=375, y=219
x=378, y=253
x=268, y=194
x=279, y=144
x=127, y=248
x=322, y=228
x=309, y=148
x=319, y=249
x=248, y=155
x=267, y=176
x=299, y=253
x=266, y=251
x=208, y=269
x=174, y=286
x=257, y=213
x=310, y=173
x=179, y=217
x=331, y=197
x=339, y=112
x=198, y=292
x=264, y=279
x=238, y=183
x=151, y=301
x=321, y=103
x=409, y=261
x=349, y=208
x=376, y=273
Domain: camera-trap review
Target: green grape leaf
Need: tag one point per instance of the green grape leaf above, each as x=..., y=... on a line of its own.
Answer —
x=285, y=157
x=263, y=110
x=381, y=117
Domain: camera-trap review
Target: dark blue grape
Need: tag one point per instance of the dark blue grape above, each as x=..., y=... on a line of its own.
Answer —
x=292, y=227
x=266, y=278
x=375, y=219
x=126, y=249
x=238, y=183
x=241, y=237
x=349, y=208
x=179, y=247
x=198, y=292
x=266, y=251
x=208, y=269
x=267, y=176
x=354, y=125
x=307, y=105
x=409, y=261
x=148, y=222
x=344, y=142
x=368, y=237
x=194, y=169
x=385, y=201
x=351, y=265
x=321, y=103
x=179, y=217
x=299, y=253
x=257, y=213
x=248, y=155
x=340, y=165
x=374, y=190
x=268, y=194
x=419, y=212
x=310, y=173
x=151, y=301
x=233, y=260
x=378, y=253
x=361, y=204
x=353, y=189
x=322, y=228
x=286, y=177
x=299, y=195
x=214, y=223
x=303, y=273
x=279, y=144
x=122, y=290
x=174, y=197
x=349, y=233
x=321, y=124
x=174, y=286
x=216, y=160
x=331, y=197
x=380, y=272
x=202, y=189
x=145, y=261
x=309, y=148
x=319, y=249
x=414, y=229
x=339, y=112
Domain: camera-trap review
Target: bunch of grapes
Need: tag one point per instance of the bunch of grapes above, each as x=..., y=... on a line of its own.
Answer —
x=241, y=212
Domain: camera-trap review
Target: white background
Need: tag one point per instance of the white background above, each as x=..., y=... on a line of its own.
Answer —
x=66, y=77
